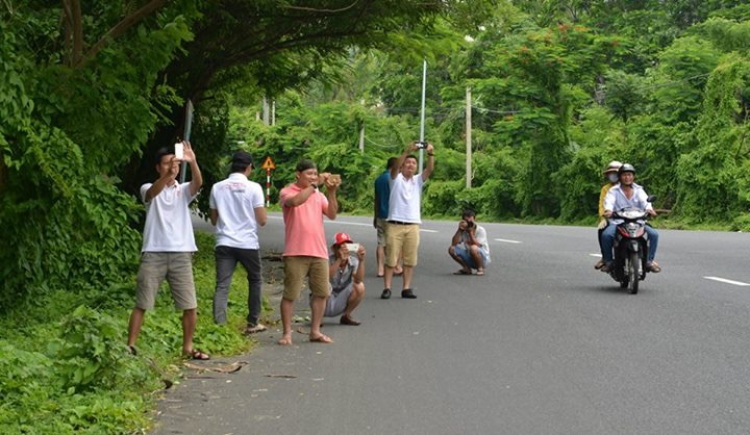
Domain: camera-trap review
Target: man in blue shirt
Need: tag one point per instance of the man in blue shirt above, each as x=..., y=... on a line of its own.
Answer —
x=382, y=196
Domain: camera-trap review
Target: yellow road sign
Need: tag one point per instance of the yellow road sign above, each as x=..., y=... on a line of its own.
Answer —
x=268, y=164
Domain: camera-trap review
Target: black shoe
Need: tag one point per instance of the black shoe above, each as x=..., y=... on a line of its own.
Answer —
x=408, y=294
x=607, y=268
x=386, y=294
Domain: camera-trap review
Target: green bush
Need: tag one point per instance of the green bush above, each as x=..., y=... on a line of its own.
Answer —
x=65, y=368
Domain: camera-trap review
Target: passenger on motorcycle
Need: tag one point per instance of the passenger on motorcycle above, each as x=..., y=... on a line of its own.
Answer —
x=626, y=194
x=610, y=173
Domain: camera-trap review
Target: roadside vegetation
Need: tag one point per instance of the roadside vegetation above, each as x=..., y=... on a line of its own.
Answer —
x=65, y=366
x=90, y=90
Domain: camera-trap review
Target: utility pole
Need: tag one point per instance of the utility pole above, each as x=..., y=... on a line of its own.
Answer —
x=421, y=125
x=362, y=139
x=468, y=137
x=273, y=112
x=266, y=111
x=186, y=134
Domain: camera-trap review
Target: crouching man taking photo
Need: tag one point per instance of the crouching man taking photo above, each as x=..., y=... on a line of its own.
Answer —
x=469, y=246
x=346, y=275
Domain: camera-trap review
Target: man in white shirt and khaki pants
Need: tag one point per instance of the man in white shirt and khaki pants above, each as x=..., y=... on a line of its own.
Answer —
x=168, y=246
x=405, y=216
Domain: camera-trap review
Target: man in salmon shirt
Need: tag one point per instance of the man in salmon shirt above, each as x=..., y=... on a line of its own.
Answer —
x=305, y=249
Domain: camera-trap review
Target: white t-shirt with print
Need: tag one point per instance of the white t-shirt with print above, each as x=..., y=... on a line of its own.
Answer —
x=169, y=227
x=235, y=199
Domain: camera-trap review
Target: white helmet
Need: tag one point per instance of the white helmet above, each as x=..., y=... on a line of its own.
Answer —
x=613, y=166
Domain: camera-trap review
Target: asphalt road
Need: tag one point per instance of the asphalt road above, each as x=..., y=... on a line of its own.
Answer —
x=542, y=344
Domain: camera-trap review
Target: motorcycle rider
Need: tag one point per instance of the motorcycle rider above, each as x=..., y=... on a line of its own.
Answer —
x=627, y=194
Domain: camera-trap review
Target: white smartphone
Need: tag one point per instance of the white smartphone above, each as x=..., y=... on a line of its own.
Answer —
x=179, y=151
x=352, y=247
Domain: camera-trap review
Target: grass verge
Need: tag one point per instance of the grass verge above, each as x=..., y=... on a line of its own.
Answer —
x=65, y=367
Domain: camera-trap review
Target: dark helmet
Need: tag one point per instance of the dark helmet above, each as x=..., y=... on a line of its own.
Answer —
x=627, y=167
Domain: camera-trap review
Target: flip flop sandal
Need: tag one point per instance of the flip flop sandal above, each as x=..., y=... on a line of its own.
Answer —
x=255, y=329
x=322, y=339
x=197, y=355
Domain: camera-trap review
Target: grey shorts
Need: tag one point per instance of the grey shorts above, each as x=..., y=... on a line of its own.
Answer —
x=380, y=224
x=336, y=303
x=177, y=268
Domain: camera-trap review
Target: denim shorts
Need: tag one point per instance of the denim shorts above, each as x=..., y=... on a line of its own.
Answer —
x=466, y=257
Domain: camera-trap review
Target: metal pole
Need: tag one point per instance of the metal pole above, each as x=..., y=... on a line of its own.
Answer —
x=268, y=188
x=273, y=112
x=468, y=137
x=266, y=112
x=362, y=139
x=186, y=135
x=421, y=128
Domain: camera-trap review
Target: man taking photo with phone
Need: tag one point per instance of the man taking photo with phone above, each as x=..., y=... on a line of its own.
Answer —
x=346, y=273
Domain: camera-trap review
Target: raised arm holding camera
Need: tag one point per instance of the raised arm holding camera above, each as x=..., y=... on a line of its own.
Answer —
x=469, y=246
x=405, y=216
x=305, y=249
x=346, y=274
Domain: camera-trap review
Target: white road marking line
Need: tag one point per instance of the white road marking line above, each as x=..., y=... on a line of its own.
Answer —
x=508, y=241
x=428, y=231
x=596, y=255
x=727, y=281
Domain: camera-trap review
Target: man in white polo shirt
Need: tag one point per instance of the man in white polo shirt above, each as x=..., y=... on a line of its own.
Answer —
x=405, y=216
x=237, y=209
x=168, y=246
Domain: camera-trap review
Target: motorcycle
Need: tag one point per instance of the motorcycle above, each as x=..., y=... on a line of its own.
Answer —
x=630, y=249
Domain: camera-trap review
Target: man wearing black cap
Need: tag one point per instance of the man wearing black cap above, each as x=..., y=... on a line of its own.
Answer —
x=237, y=209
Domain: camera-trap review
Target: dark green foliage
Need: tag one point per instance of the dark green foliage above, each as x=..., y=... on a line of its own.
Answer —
x=711, y=175
x=65, y=132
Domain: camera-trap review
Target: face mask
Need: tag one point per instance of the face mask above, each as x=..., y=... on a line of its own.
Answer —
x=613, y=178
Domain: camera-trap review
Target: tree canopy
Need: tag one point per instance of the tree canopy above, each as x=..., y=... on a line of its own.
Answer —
x=89, y=90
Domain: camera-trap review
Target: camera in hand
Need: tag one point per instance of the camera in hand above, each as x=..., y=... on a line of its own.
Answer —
x=421, y=145
x=469, y=224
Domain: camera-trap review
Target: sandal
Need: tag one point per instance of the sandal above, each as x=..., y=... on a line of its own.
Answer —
x=321, y=339
x=346, y=320
x=255, y=329
x=196, y=355
x=653, y=267
x=462, y=272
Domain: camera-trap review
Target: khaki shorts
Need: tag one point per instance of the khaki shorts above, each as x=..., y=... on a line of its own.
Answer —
x=296, y=268
x=177, y=268
x=401, y=239
x=381, y=224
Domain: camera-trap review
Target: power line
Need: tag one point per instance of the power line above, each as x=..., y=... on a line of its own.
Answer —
x=379, y=145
